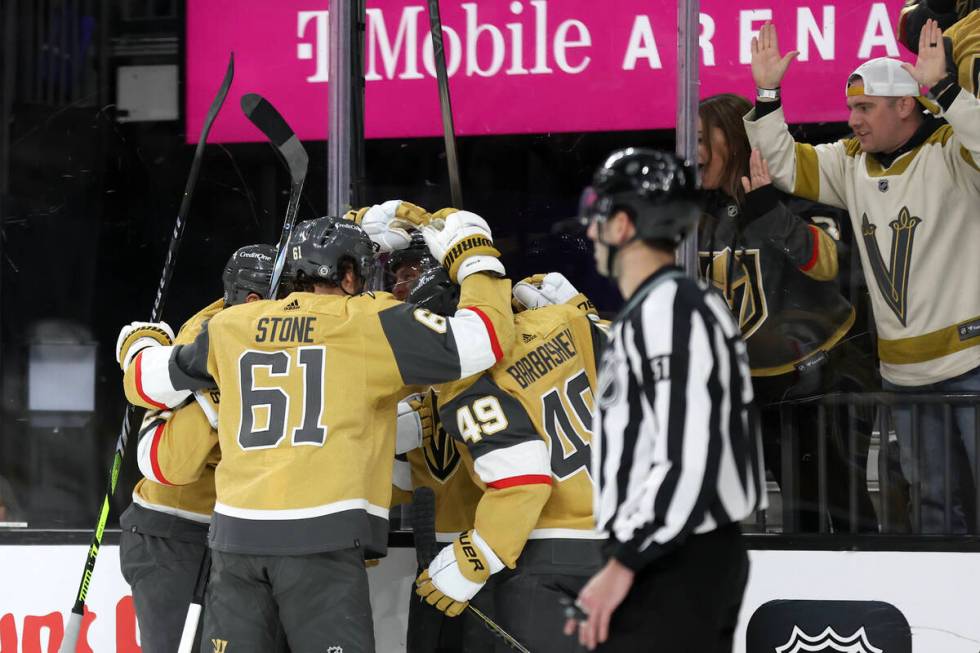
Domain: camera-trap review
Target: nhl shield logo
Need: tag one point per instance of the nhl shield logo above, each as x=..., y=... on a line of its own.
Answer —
x=883, y=185
x=829, y=641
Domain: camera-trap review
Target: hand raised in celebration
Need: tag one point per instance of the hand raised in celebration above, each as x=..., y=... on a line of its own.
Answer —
x=768, y=67
x=930, y=67
x=758, y=173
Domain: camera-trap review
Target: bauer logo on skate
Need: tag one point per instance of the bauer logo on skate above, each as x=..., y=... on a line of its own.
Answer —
x=519, y=66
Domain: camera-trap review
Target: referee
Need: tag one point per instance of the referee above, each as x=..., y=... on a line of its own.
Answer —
x=676, y=455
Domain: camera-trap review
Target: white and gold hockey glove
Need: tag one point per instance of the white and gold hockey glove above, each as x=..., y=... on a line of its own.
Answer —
x=387, y=224
x=457, y=573
x=414, y=423
x=137, y=336
x=462, y=242
x=548, y=290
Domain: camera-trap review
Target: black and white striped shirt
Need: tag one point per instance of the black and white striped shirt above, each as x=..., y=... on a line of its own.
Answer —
x=677, y=448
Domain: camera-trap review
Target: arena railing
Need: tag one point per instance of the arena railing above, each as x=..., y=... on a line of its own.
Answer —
x=880, y=406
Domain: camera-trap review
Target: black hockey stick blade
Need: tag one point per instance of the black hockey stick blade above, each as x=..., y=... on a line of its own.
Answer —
x=271, y=123
x=445, y=105
x=69, y=641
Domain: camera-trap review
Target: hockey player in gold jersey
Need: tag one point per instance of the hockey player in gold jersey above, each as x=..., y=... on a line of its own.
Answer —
x=164, y=531
x=307, y=422
x=526, y=425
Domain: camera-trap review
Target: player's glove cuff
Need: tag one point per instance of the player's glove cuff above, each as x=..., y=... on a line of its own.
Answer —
x=478, y=263
x=137, y=336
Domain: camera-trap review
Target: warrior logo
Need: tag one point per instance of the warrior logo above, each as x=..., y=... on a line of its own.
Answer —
x=828, y=641
x=742, y=289
x=441, y=456
x=220, y=645
x=893, y=282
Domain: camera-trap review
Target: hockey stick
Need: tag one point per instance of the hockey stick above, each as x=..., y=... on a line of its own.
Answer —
x=264, y=116
x=189, y=633
x=445, y=105
x=426, y=547
x=74, y=625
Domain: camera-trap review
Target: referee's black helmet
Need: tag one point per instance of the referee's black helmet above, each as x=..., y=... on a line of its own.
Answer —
x=658, y=190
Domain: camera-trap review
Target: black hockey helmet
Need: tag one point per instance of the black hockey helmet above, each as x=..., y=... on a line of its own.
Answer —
x=318, y=248
x=435, y=291
x=248, y=270
x=403, y=267
x=658, y=190
x=416, y=251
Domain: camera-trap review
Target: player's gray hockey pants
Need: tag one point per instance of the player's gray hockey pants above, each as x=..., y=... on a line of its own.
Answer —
x=161, y=572
x=525, y=602
x=321, y=601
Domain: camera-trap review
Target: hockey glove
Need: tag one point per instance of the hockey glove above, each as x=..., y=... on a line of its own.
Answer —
x=463, y=243
x=387, y=224
x=137, y=336
x=457, y=573
x=547, y=290
x=414, y=423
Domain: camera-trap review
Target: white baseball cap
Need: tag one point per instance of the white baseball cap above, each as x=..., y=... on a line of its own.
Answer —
x=882, y=77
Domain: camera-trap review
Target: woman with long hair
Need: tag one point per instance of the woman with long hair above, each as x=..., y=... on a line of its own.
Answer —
x=779, y=273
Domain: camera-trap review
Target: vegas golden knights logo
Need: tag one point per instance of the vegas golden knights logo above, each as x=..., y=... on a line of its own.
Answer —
x=893, y=278
x=743, y=291
x=441, y=456
x=220, y=645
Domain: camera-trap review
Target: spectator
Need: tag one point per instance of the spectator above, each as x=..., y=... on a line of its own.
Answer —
x=778, y=273
x=910, y=181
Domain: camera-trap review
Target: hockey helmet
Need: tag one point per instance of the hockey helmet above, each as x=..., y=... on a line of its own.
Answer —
x=249, y=270
x=318, y=248
x=435, y=291
x=658, y=190
x=404, y=266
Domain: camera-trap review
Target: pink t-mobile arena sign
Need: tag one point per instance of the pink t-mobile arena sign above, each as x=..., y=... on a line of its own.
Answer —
x=522, y=66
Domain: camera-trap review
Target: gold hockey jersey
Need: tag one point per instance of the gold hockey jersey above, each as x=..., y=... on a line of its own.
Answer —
x=182, y=493
x=309, y=387
x=918, y=229
x=527, y=427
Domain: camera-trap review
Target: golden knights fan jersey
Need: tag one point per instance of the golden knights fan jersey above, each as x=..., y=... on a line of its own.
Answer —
x=309, y=387
x=438, y=464
x=183, y=493
x=527, y=427
x=917, y=225
x=778, y=273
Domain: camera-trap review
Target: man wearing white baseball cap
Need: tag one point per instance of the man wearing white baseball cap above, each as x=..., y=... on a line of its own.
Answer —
x=910, y=180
